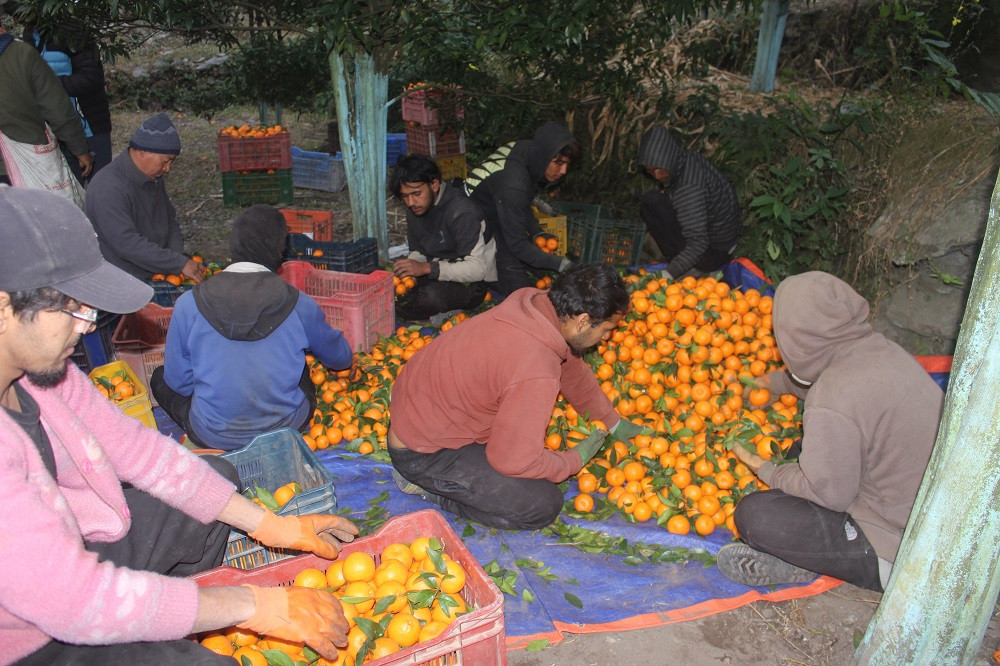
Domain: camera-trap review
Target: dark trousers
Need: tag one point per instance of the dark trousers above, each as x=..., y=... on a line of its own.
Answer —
x=662, y=224
x=467, y=485
x=514, y=274
x=165, y=541
x=809, y=536
x=430, y=297
x=178, y=407
x=100, y=150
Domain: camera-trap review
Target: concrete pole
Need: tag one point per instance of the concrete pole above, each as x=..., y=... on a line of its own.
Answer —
x=362, y=113
x=945, y=580
x=772, y=30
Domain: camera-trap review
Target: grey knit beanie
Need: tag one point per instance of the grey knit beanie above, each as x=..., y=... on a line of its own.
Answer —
x=157, y=135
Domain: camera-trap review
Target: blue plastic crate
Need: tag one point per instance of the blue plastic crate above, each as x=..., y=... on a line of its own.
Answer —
x=271, y=460
x=360, y=256
x=97, y=349
x=318, y=171
x=395, y=146
x=166, y=294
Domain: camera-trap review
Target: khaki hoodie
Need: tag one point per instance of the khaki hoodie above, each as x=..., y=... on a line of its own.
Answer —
x=871, y=413
x=494, y=380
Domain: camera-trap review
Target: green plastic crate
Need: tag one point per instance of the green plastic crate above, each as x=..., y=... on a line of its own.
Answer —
x=595, y=240
x=247, y=189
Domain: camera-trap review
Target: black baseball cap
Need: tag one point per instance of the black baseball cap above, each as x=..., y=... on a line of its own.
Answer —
x=46, y=241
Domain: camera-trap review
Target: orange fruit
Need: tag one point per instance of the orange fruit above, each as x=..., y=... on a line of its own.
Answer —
x=218, y=643
x=313, y=578
x=384, y=646
x=392, y=588
x=242, y=637
x=678, y=524
x=361, y=594
x=583, y=503
x=704, y=525
x=431, y=630
x=454, y=578
x=335, y=575
x=418, y=548
x=398, y=551
x=253, y=655
x=359, y=566
x=391, y=569
x=284, y=494
x=404, y=629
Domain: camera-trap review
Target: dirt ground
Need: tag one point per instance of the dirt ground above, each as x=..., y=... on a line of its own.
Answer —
x=816, y=631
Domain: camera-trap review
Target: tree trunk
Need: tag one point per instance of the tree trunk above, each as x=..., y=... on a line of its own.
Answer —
x=361, y=117
x=945, y=580
x=772, y=30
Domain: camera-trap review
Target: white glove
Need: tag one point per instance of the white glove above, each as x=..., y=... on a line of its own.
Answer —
x=665, y=273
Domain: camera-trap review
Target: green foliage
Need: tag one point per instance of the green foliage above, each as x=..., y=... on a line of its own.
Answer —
x=290, y=72
x=794, y=187
x=177, y=86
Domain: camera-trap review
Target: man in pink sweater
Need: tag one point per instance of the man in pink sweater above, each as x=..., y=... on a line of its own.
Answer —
x=469, y=411
x=103, y=517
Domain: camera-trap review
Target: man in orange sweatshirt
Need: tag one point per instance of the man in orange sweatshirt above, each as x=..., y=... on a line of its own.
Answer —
x=469, y=412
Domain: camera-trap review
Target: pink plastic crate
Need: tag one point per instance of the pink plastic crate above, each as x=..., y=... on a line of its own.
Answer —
x=140, y=340
x=434, y=141
x=362, y=306
x=253, y=154
x=477, y=637
x=430, y=107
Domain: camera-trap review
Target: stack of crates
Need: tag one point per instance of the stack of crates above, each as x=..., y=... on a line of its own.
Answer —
x=140, y=340
x=255, y=169
x=593, y=237
x=432, y=128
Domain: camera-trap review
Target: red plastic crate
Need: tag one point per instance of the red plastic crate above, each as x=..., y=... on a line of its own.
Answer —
x=251, y=154
x=432, y=107
x=140, y=340
x=434, y=141
x=477, y=637
x=317, y=224
x=362, y=306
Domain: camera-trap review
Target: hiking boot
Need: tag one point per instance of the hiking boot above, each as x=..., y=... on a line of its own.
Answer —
x=406, y=486
x=741, y=563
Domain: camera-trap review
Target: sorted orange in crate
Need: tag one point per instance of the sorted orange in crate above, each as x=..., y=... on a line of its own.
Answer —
x=119, y=383
x=248, y=148
x=476, y=637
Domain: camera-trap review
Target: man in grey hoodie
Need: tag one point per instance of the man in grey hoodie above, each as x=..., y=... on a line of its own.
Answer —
x=870, y=418
x=505, y=185
x=692, y=214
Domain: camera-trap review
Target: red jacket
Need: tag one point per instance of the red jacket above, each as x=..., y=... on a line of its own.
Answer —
x=493, y=379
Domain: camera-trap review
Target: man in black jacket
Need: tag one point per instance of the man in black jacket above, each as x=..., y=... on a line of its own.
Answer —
x=504, y=187
x=452, y=253
x=692, y=214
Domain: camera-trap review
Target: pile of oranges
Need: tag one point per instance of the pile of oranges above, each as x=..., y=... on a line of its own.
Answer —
x=177, y=280
x=254, y=132
x=403, y=284
x=410, y=595
x=683, y=364
x=116, y=387
x=544, y=282
x=549, y=245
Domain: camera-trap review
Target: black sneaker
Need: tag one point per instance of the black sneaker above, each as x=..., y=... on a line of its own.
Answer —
x=406, y=486
x=743, y=564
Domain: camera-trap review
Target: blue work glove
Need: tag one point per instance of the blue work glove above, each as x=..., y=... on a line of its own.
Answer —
x=588, y=448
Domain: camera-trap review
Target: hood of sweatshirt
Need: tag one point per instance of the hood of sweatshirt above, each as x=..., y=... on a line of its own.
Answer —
x=546, y=143
x=658, y=149
x=531, y=310
x=245, y=306
x=816, y=317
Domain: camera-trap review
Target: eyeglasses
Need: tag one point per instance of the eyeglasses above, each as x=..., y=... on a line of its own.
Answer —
x=84, y=313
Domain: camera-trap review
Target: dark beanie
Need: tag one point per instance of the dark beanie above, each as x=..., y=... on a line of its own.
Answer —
x=157, y=135
x=258, y=236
